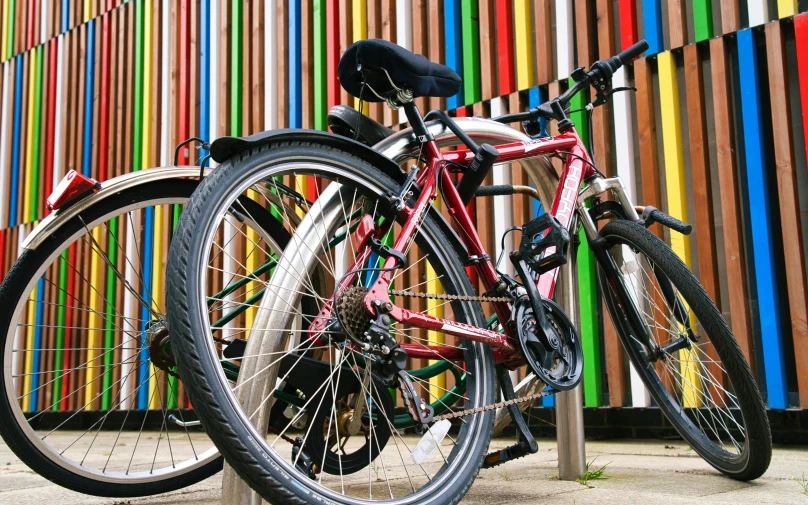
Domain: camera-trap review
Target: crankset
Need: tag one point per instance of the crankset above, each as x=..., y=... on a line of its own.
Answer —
x=547, y=337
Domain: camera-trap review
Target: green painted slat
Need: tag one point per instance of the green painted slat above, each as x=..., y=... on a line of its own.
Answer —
x=703, y=19
x=137, y=142
x=472, y=92
x=35, y=186
x=320, y=69
x=111, y=312
x=236, y=22
x=587, y=287
x=61, y=320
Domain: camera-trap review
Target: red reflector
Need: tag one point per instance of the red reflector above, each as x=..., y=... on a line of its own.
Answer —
x=72, y=186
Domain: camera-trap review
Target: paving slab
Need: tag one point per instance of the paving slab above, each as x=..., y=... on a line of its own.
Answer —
x=642, y=472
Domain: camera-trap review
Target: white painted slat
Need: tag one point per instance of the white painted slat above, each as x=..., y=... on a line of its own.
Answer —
x=758, y=12
x=165, y=84
x=5, y=138
x=565, y=44
x=624, y=150
x=270, y=65
x=58, y=134
x=404, y=23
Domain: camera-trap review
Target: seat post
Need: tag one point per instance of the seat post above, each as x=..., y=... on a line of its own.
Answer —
x=417, y=122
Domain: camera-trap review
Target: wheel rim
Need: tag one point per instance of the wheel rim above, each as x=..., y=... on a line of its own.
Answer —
x=693, y=380
x=335, y=487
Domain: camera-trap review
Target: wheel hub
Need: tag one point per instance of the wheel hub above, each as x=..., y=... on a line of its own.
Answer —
x=158, y=341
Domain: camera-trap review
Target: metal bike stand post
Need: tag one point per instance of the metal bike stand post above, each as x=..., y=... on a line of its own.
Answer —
x=569, y=404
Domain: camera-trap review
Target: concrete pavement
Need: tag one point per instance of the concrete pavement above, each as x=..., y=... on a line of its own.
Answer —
x=642, y=472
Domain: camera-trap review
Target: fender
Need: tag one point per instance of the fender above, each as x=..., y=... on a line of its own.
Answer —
x=109, y=188
x=224, y=148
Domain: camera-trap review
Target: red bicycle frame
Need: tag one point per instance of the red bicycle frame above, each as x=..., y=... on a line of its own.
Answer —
x=576, y=169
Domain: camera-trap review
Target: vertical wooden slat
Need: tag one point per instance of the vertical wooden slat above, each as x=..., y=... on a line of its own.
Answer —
x=437, y=42
x=420, y=37
x=584, y=38
x=761, y=221
x=702, y=193
x=489, y=57
x=786, y=167
x=652, y=19
x=677, y=23
x=730, y=16
x=524, y=45
x=565, y=48
x=543, y=33
x=505, y=56
x=454, y=45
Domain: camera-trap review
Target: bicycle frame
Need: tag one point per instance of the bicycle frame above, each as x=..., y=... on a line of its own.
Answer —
x=433, y=178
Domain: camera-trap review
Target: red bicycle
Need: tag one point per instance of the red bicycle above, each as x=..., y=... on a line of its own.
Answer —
x=374, y=282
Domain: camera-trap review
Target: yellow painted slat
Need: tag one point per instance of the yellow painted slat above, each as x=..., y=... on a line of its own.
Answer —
x=786, y=8
x=94, y=323
x=524, y=44
x=359, y=29
x=677, y=201
x=29, y=356
x=252, y=255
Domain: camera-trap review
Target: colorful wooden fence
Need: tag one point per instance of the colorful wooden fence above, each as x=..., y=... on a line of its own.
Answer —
x=715, y=133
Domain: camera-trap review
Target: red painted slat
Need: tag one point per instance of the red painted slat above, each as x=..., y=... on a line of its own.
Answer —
x=801, y=37
x=628, y=23
x=505, y=56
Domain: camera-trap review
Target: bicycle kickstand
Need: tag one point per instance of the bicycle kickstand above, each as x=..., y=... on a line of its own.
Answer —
x=526, y=443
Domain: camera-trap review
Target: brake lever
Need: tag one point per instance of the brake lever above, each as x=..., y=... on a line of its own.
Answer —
x=602, y=98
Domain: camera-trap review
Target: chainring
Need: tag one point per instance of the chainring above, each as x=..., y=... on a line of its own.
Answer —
x=327, y=433
x=557, y=358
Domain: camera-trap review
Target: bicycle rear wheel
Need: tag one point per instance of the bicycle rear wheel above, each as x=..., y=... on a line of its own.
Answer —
x=695, y=370
x=288, y=433
x=91, y=397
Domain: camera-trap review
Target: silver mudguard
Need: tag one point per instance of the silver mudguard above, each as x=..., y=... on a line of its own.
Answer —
x=108, y=188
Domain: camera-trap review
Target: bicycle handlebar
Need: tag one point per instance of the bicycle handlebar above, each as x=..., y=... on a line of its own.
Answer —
x=599, y=75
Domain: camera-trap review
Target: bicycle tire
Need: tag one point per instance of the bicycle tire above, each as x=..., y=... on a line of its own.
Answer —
x=245, y=449
x=753, y=460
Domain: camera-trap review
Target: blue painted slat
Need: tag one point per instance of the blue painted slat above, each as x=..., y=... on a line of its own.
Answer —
x=295, y=68
x=454, y=46
x=760, y=217
x=652, y=17
x=40, y=315
x=15, y=144
x=65, y=12
x=204, y=71
x=145, y=315
x=87, y=165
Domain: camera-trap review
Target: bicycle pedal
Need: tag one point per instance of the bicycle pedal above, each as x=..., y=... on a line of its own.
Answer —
x=545, y=244
x=516, y=451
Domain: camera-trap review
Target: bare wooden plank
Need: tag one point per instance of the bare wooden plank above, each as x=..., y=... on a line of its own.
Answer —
x=728, y=177
x=646, y=122
x=786, y=167
x=543, y=32
x=388, y=20
x=345, y=40
x=420, y=40
x=584, y=38
x=702, y=193
x=730, y=16
x=677, y=23
x=488, y=64
x=436, y=46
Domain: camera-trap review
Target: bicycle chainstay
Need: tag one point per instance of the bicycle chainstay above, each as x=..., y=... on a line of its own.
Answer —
x=466, y=298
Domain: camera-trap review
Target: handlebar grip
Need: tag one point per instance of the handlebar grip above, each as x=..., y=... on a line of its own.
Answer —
x=494, y=190
x=653, y=215
x=632, y=52
x=475, y=174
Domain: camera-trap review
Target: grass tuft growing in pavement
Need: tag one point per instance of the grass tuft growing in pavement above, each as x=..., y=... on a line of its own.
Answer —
x=589, y=474
x=802, y=482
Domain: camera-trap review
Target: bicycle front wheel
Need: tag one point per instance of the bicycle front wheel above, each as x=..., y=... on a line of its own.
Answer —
x=311, y=418
x=685, y=352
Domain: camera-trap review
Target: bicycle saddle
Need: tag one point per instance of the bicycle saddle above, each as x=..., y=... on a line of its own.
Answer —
x=368, y=63
x=351, y=123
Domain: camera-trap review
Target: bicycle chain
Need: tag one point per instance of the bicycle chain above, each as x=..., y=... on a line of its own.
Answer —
x=492, y=406
x=462, y=298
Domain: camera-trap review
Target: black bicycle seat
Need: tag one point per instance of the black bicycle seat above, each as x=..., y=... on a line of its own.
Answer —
x=351, y=123
x=368, y=63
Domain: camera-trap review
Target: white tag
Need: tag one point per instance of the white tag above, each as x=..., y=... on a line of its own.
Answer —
x=430, y=441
